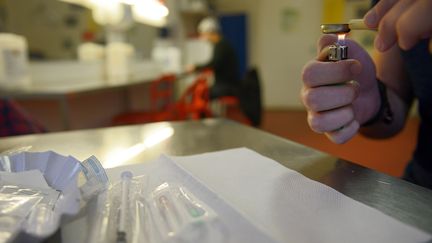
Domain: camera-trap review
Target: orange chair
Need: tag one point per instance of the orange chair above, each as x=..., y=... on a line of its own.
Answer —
x=162, y=93
x=193, y=104
x=161, y=100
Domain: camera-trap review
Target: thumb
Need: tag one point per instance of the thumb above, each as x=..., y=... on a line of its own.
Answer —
x=325, y=41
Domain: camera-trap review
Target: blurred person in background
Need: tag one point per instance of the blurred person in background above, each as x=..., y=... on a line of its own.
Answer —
x=378, y=100
x=224, y=61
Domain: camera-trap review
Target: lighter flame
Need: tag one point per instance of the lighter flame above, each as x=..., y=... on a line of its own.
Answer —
x=341, y=39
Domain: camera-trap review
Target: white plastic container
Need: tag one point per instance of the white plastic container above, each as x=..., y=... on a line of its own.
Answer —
x=91, y=52
x=13, y=61
x=119, y=58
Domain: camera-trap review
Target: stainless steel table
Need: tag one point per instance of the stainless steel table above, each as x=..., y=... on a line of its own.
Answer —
x=137, y=144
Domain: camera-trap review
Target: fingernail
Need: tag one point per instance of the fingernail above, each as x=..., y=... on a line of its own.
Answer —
x=371, y=19
x=379, y=44
x=355, y=68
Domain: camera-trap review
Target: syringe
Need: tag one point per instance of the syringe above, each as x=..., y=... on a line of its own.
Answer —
x=126, y=177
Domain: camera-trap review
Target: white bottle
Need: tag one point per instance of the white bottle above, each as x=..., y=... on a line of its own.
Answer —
x=14, y=71
x=119, y=57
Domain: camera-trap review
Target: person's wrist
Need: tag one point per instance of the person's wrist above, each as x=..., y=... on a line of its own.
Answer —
x=383, y=112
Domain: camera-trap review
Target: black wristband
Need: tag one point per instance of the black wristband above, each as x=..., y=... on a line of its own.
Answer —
x=385, y=113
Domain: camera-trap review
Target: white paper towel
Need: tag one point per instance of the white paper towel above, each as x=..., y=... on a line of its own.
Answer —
x=289, y=206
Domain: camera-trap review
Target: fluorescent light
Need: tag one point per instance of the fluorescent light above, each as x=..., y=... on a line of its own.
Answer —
x=129, y=2
x=151, y=12
x=110, y=12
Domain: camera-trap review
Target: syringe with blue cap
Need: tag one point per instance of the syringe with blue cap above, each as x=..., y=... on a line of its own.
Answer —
x=126, y=177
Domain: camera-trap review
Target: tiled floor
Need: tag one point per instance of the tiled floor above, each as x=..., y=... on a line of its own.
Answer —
x=389, y=156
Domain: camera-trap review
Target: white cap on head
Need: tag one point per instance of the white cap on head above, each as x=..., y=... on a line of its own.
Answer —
x=209, y=25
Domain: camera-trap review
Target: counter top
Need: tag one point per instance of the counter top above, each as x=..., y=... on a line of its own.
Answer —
x=62, y=89
x=52, y=79
x=137, y=144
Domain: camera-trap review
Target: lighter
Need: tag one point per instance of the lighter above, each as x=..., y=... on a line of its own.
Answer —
x=338, y=51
